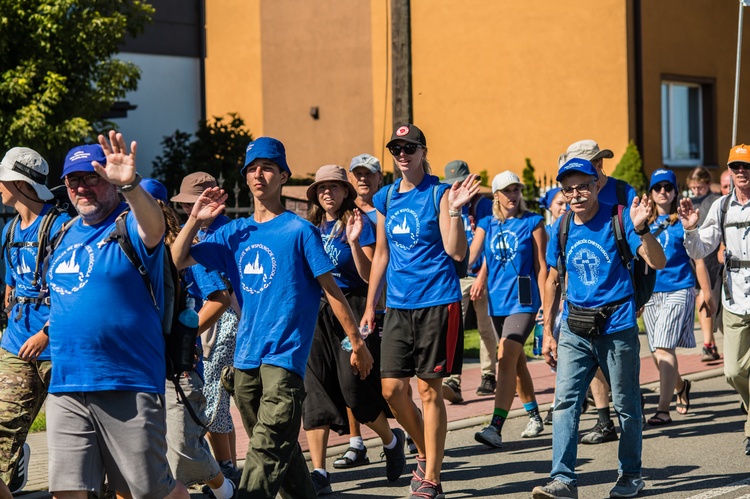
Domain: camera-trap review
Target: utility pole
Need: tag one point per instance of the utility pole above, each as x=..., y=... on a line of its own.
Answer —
x=401, y=64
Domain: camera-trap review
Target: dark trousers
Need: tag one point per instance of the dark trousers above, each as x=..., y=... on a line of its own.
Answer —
x=269, y=399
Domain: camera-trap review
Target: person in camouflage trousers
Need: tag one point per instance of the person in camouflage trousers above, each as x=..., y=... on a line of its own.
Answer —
x=24, y=357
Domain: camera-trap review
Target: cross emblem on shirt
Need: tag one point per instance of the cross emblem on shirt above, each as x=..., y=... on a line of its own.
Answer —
x=588, y=262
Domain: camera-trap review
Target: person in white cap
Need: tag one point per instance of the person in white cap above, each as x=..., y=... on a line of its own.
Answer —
x=24, y=356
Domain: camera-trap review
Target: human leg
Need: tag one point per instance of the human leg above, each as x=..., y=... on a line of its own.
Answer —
x=435, y=426
x=487, y=346
x=736, y=361
x=398, y=395
x=669, y=377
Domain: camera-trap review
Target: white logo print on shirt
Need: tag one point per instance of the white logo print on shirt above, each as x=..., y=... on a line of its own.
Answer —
x=586, y=257
x=23, y=267
x=257, y=268
x=504, y=245
x=65, y=275
x=403, y=227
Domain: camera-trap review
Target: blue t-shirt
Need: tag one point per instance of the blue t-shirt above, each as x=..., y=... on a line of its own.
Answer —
x=19, y=274
x=273, y=268
x=509, y=250
x=373, y=216
x=105, y=331
x=340, y=253
x=678, y=272
x=608, y=194
x=420, y=273
x=595, y=273
x=471, y=217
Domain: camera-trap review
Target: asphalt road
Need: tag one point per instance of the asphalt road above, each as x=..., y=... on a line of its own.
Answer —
x=698, y=456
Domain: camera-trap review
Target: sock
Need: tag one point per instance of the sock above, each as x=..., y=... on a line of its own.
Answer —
x=708, y=345
x=498, y=418
x=392, y=444
x=357, y=443
x=226, y=491
x=321, y=471
x=603, y=414
x=532, y=408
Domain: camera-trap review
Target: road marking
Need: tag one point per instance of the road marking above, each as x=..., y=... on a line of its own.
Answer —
x=724, y=490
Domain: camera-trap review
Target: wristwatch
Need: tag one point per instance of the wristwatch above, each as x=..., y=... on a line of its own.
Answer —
x=645, y=230
x=129, y=187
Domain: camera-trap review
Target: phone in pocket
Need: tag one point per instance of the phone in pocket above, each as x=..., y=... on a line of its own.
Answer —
x=524, y=290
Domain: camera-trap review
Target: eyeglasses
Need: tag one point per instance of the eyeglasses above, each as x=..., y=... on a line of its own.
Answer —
x=408, y=148
x=581, y=188
x=736, y=166
x=667, y=188
x=89, y=180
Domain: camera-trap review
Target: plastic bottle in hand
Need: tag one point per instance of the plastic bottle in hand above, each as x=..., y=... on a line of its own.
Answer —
x=538, y=334
x=347, y=345
x=189, y=317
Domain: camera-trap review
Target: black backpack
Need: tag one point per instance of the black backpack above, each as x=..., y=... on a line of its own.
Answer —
x=462, y=267
x=642, y=275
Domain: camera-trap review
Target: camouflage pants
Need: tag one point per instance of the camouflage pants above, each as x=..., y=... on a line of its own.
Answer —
x=23, y=388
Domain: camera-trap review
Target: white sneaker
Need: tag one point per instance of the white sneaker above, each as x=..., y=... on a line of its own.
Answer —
x=534, y=427
x=489, y=436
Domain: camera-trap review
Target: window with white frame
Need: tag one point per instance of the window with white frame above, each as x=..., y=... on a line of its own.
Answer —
x=682, y=124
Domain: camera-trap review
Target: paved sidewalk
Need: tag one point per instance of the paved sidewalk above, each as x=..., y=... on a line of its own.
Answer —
x=471, y=412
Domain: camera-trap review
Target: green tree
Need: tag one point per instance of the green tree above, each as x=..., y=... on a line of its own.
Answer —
x=630, y=169
x=218, y=148
x=484, y=178
x=57, y=73
x=530, y=187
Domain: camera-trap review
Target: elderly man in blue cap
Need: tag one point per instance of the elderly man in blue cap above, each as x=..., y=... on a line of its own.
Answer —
x=598, y=327
x=277, y=263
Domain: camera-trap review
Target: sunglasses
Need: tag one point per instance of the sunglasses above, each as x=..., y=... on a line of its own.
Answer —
x=88, y=180
x=581, y=188
x=408, y=148
x=666, y=187
x=737, y=166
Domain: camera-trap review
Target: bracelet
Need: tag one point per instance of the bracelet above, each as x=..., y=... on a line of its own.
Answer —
x=129, y=187
x=454, y=214
x=645, y=230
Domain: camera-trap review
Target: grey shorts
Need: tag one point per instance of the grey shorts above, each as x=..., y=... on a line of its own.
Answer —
x=118, y=432
x=188, y=453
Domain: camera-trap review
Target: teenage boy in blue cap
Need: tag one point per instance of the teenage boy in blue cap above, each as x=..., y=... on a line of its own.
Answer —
x=595, y=279
x=106, y=398
x=277, y=262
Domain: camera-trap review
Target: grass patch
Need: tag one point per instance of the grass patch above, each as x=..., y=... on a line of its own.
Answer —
x=39, y=424
x=472, y=339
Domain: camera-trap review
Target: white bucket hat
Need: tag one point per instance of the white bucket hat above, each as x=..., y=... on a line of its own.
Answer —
x=26, y=165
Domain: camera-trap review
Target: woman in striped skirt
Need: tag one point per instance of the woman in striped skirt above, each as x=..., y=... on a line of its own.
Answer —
x=670, y=314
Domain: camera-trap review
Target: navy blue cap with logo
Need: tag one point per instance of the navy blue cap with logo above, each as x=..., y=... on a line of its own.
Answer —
x=79, y=159
x=663, y=175
x=577, y=165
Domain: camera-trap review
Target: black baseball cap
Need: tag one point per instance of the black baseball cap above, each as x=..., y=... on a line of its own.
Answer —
x=408, y=133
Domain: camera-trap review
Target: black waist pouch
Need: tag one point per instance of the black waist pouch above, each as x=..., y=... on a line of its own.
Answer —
x=589, y=322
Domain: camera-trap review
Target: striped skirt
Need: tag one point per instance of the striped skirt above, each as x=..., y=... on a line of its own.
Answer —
x=670, y=319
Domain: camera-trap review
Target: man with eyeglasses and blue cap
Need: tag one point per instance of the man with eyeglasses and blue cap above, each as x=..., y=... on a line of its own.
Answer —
x=599, y=324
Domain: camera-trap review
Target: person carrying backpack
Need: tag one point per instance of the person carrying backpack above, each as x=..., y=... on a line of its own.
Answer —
x=106, y=399
x=24, y=356
x=728, y=221
x=599, y=323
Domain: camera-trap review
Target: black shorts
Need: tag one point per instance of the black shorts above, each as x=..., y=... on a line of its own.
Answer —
x=428, y=342
x=516, y=327
x=330, y=384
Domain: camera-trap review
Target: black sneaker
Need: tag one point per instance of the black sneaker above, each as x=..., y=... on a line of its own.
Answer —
x=231, y=472
x=548, y=417
x=487, y=386
x=452, y=391
x=352, y=458
x=321, y=483
x=600, y=433
x=395, y=459
x=747, y=446
x=21, y=474
x=411, y=445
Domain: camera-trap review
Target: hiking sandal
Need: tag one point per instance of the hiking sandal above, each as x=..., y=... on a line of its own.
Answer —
x=684, y=394
x=655, y=420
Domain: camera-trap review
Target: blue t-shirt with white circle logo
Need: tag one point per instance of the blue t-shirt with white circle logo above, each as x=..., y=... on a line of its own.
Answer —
x=677, y=273
x=595, y=273
x=273, y=268
x=509, y=252
x=340, y=253
x=26, y=319
x=105, y=331
x=420, y=273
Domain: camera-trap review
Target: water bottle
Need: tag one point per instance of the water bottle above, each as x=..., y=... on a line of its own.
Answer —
x=538, y=334
x=181, y=340
x=189, y=317
x=347, y=345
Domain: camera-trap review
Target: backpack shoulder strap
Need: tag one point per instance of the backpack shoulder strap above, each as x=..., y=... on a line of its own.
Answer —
x=9, y=236
x=618, y=226
x=723, y=215
x=621, y=190
x=389, y=196
x=45, y=227
x=563, y=231
x=51, y=247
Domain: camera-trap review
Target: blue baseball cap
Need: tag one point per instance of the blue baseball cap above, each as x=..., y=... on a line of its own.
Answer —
x=577, y=165
x=663, y=175
x=266, y=148
x=79, y=159
x=157, y=190
x=546, y=201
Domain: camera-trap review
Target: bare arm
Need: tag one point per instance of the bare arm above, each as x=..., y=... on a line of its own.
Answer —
x=452, y=228
x=704, y=281
x=539, y=236
x=209, y=314
x=550, y=305
x=476, y=246
x=208, y=206
x=362, y=255
x=361, y=360
x=377, y=274
x=480, y=283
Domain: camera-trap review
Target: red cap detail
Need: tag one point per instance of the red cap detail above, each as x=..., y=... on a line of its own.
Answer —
x=402, y=131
